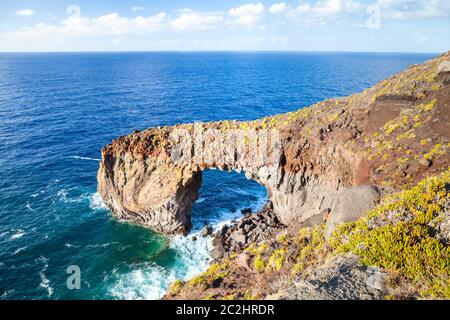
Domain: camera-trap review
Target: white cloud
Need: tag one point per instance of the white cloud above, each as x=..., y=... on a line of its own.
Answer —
x=390, y=9
x=327, y=8
x=281, y=40
x=247, y=14
x=113, y=28
x=277, y=8
x=110, y=24
x=137, y=9
x=25, y=12
x=197, y=21
x=414, y=9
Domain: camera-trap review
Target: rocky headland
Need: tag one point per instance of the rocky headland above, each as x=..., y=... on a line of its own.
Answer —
x=358, y=193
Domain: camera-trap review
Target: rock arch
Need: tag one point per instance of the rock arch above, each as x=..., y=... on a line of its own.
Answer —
x=152, y=178
x=317, y=160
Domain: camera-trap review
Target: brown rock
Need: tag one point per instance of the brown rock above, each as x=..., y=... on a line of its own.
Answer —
x=242, y=260
x=351, y=203
x=239, y=237
x=425, y=162
x=206, y=231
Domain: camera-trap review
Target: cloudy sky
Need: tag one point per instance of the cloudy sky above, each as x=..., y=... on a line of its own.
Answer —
x=323, y=25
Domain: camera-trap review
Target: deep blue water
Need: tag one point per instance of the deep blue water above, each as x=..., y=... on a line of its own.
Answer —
x=58, y=110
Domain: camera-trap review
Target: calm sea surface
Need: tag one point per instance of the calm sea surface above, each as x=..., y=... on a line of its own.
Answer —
x=58, y=110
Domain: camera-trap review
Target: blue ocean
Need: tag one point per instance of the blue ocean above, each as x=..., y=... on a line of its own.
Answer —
x=58, y=109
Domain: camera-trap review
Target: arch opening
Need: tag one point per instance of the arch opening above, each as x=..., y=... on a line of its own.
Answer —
x=222, y=196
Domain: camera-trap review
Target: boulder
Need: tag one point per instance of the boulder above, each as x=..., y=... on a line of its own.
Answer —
x=224, y=230
x=239, y=237
x=242, y=260
x=206, y=231
x=425, y=162
x=444, y=66
x=218, y=247
x=351, y=203
x=218, y=251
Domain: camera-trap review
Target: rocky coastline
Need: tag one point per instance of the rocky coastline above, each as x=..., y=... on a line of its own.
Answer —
x=251, y=228
x=347, y=180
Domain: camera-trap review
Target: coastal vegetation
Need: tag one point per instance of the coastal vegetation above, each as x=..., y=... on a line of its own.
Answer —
x=404, y=235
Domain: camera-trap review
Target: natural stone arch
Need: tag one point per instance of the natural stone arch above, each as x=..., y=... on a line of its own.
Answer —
x=157, y=187
x=152, y=178
x=326, y=160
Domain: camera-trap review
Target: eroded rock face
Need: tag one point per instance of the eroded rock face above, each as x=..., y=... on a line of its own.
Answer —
x=149, y=192
x=321, y=158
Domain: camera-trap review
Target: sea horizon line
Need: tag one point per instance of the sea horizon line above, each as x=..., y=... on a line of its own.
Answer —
x=223, y=51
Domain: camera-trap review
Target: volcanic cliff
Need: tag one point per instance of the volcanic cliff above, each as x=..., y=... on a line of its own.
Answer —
x=330, y=154
x=322, y=165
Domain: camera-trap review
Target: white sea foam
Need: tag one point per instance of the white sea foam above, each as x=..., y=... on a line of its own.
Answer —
x=101, y=245
x=96, y=202
x=45, y=282
x=194, y=256
x=146, y=283
x=225, y=217
x=200, y=200
x=6, y=294
x=62, y=194
x=84, y=158
x=150, y=281
x=19, y=250
x=94, y=199
x=28, y=206
x=68, y=245
x=19, y=233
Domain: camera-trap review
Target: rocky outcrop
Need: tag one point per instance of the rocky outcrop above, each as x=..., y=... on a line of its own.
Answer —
x=341, y=278
x=250, y=229
x=325, y=158
x=350, y=204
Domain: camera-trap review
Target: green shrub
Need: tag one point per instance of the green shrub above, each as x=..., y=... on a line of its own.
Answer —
x=397, y=236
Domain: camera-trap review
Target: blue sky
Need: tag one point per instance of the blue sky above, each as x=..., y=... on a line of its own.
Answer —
x=196, y=25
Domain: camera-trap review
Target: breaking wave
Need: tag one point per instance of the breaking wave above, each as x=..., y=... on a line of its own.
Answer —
x=84, y=158
x=150, y=281
x=96, y=202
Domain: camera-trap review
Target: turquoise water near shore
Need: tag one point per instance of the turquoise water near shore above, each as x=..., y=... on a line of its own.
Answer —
x=58, y=110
